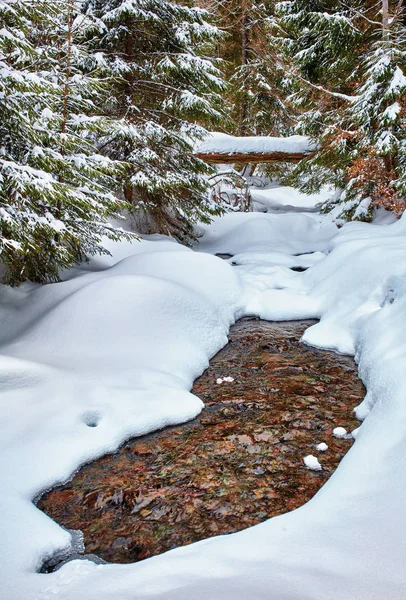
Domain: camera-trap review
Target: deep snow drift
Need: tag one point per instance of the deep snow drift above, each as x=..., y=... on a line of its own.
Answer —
x=112, y=352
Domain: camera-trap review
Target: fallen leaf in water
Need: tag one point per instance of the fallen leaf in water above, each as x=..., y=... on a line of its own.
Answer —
x=142, y=449
x=242, y=439
x=265, y=436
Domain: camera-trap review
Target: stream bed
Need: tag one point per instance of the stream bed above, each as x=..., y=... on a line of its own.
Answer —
x=239, y=463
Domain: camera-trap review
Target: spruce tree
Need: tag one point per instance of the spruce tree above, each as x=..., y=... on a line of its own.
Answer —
x=347, y=61
x=55, y=187
x=253, y=68
x=377, y=174
x=320, y=47
x=167, y=87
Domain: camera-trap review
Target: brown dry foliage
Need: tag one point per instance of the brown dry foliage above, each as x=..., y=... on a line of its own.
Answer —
x=372, y=178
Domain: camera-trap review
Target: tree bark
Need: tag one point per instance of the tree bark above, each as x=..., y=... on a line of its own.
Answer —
x=385, y=19
x=253, y=157
x=65, y=96
x=245, y=44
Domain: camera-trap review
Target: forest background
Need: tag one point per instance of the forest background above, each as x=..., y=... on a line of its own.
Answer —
x=103, y=101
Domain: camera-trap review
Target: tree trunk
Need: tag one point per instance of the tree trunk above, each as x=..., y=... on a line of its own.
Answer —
x=245, y=43
x=128, y=192
x=385, y=19
x=65, y=96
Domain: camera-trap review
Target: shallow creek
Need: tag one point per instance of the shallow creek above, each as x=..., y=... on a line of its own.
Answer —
x=239, y=463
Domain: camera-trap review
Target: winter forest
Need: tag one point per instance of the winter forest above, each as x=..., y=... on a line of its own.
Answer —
x=102, y=103
x=202, y=299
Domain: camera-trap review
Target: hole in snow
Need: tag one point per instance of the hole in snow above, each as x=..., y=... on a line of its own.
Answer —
x=224, y=256
x=91, y=418
x=389, y=298
x=299, y=269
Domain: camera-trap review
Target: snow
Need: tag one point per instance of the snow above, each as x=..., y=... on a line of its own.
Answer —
x=398, y=82
x=118, y=344
x=89, y=362
x=221, y=380
x=242, y=233
x=322, y=447
x=287, y=199
x=392, y=112
x=221, y=143
x=301, y=261
x=339, y=432
x=312, y=463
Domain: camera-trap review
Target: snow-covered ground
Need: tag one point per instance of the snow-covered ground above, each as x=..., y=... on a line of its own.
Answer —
x=112, y=352
x=286, y=199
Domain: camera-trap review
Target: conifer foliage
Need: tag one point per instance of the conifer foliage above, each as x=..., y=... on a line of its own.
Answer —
x=55, y=187
x=168, y=85
x=348, y=60
x=99, y=100
x=257, y=105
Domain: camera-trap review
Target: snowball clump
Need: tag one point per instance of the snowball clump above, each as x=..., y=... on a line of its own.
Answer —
x=339, y=432
x=312, y=463
x=220, y=380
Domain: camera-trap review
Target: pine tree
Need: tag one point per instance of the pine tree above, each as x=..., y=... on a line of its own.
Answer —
x=320, y=46
x=377, y=116
x=55, y=197
x=168, y=86
x=254, y=69
x=347, y=62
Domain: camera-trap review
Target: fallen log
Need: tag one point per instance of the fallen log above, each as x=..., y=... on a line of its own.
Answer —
x=220, y=148
x=252, y=157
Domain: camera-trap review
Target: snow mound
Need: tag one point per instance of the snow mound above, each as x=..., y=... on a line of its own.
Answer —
x=221, y=380
x=287, y=199
x=236, y=233
x=339, y=432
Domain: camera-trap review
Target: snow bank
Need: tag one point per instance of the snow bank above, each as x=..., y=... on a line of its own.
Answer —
x=350, y=284
x=89, y=362
x=221, y=143
x=287, y=199
x=59, y=374
x=237, y=233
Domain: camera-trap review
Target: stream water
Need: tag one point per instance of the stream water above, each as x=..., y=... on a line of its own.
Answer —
x=239, y=463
